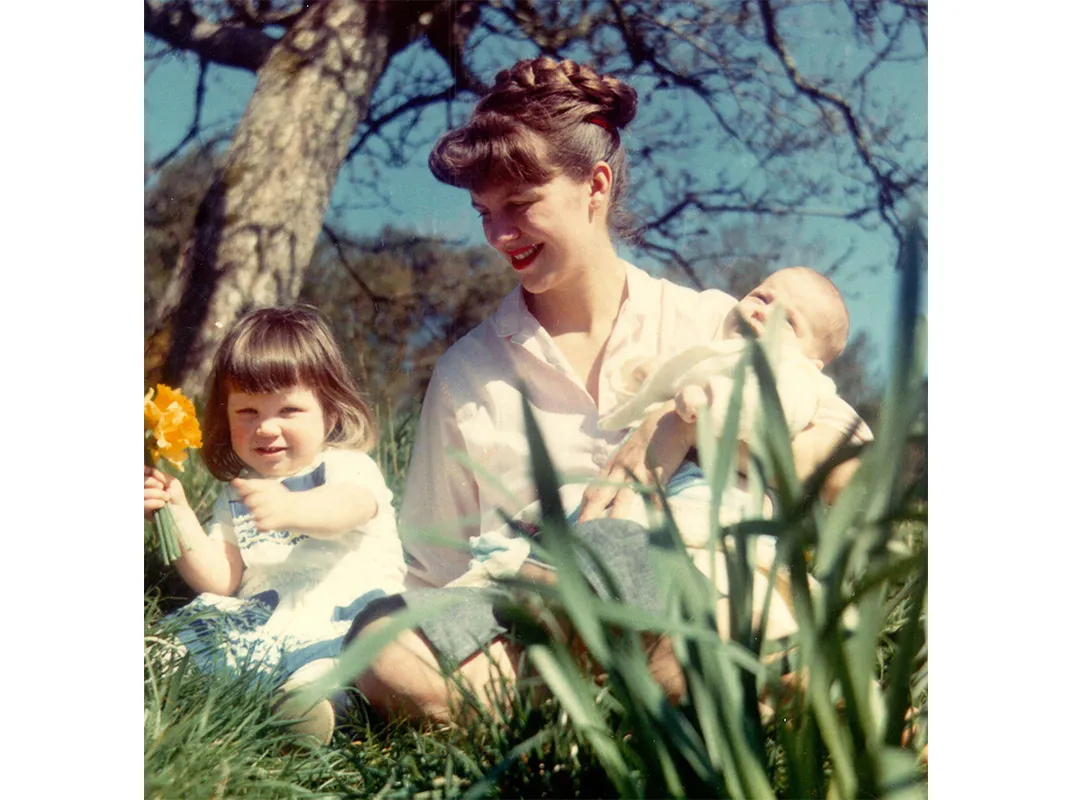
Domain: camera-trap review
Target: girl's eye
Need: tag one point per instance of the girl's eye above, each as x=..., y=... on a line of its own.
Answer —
x=292, y=410
x=245, y=412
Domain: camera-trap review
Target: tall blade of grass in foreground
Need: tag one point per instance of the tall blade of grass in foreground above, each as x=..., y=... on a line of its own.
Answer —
x=664, y=735
x=855, y=563
x=773, y=450
x=570, y=581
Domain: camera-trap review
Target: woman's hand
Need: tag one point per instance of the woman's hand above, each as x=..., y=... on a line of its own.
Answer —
x=161, y=489
x=653, y=452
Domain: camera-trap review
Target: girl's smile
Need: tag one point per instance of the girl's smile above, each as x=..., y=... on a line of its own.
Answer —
x=276, y=434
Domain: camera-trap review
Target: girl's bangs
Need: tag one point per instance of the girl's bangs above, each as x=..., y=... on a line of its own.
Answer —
x=265, y=366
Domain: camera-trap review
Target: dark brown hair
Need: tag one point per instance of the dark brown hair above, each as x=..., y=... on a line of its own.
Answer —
x=274, y=349
x=542, y=118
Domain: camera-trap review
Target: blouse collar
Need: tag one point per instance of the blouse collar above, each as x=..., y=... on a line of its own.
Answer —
x=513, y=319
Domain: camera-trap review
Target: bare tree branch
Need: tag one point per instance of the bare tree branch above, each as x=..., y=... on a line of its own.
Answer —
x=261, y=15
x=448, y=33
x=337, y=243
x=885, y=188
x=175, y=22
x=373, y=126
x=195, y=124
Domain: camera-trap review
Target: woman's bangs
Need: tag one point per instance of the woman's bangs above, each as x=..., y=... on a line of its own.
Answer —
x=490, y=150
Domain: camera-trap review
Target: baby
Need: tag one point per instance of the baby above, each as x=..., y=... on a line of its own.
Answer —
x=809, y=330
x=813, y=331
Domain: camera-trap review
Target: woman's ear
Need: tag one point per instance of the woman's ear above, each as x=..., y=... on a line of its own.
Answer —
x=600, y=185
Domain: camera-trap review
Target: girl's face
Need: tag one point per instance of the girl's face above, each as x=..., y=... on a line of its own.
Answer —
x=276, y=434
x=546, y=232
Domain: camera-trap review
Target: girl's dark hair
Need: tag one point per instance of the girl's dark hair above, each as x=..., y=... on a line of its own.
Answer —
x=542, y=118
x=275, y=349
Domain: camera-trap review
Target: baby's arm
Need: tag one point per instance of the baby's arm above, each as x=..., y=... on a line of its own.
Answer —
x=340, y=505
x=690, y=400
x=207, y=565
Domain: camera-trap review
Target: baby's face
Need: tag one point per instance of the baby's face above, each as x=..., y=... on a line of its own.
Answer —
x=807, y=310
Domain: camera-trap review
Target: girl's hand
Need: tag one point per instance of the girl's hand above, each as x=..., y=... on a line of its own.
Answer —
x=269, y=502
x=652, y=452
x=161, y=489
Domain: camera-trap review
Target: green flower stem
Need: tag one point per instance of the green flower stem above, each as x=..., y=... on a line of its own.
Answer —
x=167, y=535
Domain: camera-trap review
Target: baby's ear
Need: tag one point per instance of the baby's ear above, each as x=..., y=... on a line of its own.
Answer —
x=818, y=362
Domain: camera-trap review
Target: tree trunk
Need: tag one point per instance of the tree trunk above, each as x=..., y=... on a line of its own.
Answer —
x=254, y=232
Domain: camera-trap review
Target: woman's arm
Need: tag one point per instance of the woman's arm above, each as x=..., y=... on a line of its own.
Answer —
x=207, y=565
x=440, y=499
x=811, y=448
x=655, y=449
x=659, y=446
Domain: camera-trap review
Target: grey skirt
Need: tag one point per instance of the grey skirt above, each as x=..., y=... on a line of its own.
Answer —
x=471, y=623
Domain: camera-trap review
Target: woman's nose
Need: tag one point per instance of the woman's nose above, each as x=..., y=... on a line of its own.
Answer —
x=500, y=231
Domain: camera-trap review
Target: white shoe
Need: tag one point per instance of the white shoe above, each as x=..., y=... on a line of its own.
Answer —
x=317, y=721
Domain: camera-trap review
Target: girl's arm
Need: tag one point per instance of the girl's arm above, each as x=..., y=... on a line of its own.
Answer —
x=347, y=499
x=209, y=565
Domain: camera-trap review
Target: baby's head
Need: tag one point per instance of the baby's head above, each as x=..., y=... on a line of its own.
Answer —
x=274, y=351
x=813, y=307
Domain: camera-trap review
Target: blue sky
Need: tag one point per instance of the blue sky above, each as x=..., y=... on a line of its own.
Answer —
x=418, y=201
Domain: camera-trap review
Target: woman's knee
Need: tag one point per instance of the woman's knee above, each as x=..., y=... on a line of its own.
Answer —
x=404, y=678
x=665, y=668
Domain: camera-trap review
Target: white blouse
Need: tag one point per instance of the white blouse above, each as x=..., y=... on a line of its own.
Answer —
x=470, y=462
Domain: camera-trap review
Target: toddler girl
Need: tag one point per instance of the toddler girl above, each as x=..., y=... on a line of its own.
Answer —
x=303, y=534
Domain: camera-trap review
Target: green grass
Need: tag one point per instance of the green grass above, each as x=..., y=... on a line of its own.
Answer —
x=862, y=645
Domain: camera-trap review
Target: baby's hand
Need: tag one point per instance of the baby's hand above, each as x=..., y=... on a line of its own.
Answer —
x=690, y=400
x=160, y=489
x=269, y=502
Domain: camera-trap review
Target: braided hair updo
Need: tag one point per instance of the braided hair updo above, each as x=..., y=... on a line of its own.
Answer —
x=542, y=118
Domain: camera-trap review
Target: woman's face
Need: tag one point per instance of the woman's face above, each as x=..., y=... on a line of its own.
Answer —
x=544, y=231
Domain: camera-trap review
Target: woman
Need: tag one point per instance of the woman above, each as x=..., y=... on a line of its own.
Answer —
x=544, y=165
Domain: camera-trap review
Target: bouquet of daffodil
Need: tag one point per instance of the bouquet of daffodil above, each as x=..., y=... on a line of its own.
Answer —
x=171, y=429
